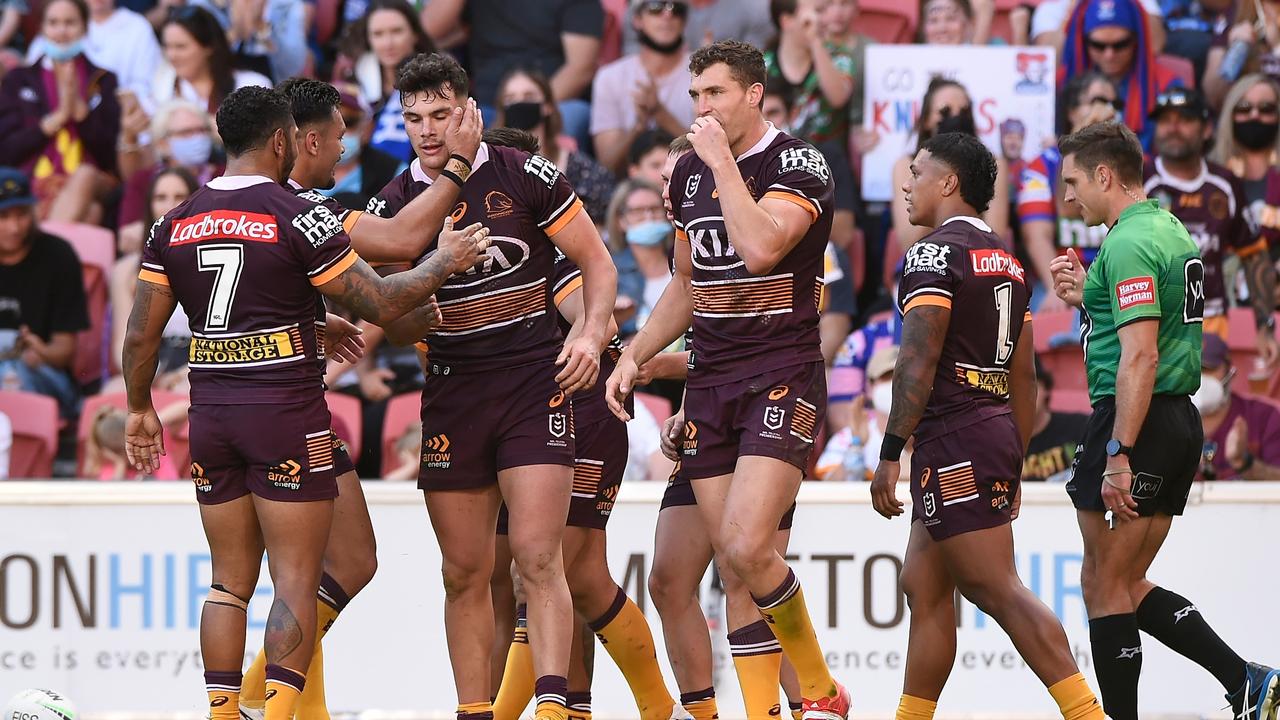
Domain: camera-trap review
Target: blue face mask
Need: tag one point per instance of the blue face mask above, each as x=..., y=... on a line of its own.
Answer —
x=191, y=150
x=649, y=234
x=350, y=148
x=58, y=52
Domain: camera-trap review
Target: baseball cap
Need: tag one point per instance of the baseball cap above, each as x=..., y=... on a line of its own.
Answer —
x=882, y=362
x=15, y=188
x=1215, y=353
x=1188, y=101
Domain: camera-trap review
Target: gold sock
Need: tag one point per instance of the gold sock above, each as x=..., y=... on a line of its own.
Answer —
x=253, y=693
x=551, y=711
x=468, y=711
x=224, y=695
x=517, y=678
x=703, y=709
x=788, y=617
x=283, y=688
x=1076, y=700
x=311, y=705
x=914, y=708
x=626, y=636
x=797, y=710
x=757, y=658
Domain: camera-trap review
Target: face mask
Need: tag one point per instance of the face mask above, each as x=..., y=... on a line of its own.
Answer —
x=961, y=122
x=523, y=115
x=882, y=397
x=648, y=234
x=58, y=52
x=670, y=48
x=191, y=150
x=1211, y=396
x=350, y=148
x=1255, y=134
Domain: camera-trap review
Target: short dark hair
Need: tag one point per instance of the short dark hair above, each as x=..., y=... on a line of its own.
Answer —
x=972, y=163
x=646, y=142
x=778, y=8
x=746, y=62
x=311, y=101
x=250, y=116
x=512, y=138
x=779, y=88
x=434, y=74
x=1108, y=143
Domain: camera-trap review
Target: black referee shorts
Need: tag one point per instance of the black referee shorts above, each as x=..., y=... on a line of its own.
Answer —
x=1164, y=460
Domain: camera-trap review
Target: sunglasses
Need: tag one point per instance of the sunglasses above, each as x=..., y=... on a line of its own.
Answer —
x=1247, y=108
x=1117, y=46
x=657, y=7
x=1116, y=103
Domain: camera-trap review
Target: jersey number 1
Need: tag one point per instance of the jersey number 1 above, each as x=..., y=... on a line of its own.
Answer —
x=1004, y=326
x=226, y=262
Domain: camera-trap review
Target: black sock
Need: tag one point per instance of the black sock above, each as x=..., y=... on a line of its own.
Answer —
x=1175, y=621
x=1117, y=661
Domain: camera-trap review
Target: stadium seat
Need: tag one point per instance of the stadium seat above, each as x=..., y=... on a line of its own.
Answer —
x=35, y=433
x=347, y=408
x=1070, y=401
x=401, y=411
x=176, y=444
x=1181, y=67
x=888, y=21
x=658, y=407
x=1066, y=365
x=96, y=248
x=1048, y=325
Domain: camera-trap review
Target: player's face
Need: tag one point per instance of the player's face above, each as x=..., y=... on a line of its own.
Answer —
x=668, y=167
x=1111, y=50
x=1080, y=193
x=923, y=189
x=426, y=117
x=945, y=23
x=328, y=139
x=718, y=95
x=287, y=148
x=1179, y=138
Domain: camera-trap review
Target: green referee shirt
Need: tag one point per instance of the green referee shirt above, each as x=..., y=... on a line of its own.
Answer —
x=1148, y=268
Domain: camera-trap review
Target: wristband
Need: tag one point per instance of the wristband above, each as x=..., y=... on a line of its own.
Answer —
x=453, y=177
x=462, y=170
x=461, y=159
x=891, y=447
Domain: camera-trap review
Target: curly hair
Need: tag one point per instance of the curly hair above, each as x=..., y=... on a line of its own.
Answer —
x=972, y=162
x=745, y=62
x=436, y=75
x=311, y=101
x=250, y=116
x=1107, y=143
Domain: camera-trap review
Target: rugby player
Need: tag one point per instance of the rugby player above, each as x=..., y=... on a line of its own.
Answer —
x=350, y=558
x=965, y=382
x=1143, y=302
x=751, y=206
x=245, y=257
x=497, y=346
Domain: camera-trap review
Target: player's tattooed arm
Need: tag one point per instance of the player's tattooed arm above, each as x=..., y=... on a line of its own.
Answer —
x=923, y=331
x=283, y=633
x=144, y=441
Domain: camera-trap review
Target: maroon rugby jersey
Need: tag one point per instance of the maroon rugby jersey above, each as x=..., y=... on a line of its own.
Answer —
x=500, y=314
x=345, y=216
x=588, y=405
x=963, y=265
x=746, y=324
x=1213, y=209
x=244, y=256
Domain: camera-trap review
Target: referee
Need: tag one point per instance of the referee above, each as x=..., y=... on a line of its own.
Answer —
x=1142, y=303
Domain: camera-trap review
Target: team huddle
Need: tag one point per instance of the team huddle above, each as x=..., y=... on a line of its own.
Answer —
x=487, y=262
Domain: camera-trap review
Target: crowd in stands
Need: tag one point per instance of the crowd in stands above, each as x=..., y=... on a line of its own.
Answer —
x=107, y=122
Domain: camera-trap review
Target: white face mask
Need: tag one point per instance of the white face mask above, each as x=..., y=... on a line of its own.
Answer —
x=1212, y=395
x=882, y=397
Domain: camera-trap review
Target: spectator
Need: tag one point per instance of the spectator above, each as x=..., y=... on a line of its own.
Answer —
x=1241, y=434
x=104, y=451
x=645, y=91
x=1240, y=49
x=647, y=155
x=1054, y=436
x=1048, y=224
x=363, y=170
x=639, y=237
x=1113, y=36
x=1050, y=17
x=268, y=36
x=776, y=105
x=712, y=20
x=645, y=461
x=847, y=379
x=1248, y=143
x=946, y=108
x=198, y=64
x=120, y=41
x=42, y=301
x=408, y=449
x=391, y=34
x=1193, y=26
x=525, y=102
x=59, y=120
x=558, y=38
x=837, y=22
x=956, y=22
x=168, y=188
x=182, y=137
x=818, y=81
x=6, y=444
x=853, y=452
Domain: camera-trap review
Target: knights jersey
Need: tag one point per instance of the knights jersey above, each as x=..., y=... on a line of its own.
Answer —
x=1039, y=199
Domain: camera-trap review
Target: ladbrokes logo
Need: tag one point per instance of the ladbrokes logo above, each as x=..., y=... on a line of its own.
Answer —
x=435, y=452
x=225, y=224
x=287, y=475
x=198, y=477
x=497, y=204
x=996, y=262
x=1136, y=291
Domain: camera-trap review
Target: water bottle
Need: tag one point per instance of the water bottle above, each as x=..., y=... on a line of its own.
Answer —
x=855, y=465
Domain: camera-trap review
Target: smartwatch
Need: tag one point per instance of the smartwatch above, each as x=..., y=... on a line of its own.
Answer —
x=1114, y=448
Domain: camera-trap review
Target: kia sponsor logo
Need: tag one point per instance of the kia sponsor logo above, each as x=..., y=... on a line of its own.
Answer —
x=225, y=224
x=1136, y=291
x=996, y=262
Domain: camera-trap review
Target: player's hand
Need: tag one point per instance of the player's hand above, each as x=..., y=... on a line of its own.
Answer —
x=619, y=385
x=1068, y=278
x=710, y=142
x=884, y=489
x=1117, y=496
x=431, y=311
x=1237, y=445
x=144, y=441
x=462, y=249
x=672, y=431
x=343, y=338
x=466, y=127
x=581, y=360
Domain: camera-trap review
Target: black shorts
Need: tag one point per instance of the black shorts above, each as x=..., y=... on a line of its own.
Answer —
x=1164, y=459
x=966, y=480
x=679, y=493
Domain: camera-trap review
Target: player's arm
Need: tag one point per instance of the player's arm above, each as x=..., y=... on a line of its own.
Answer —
x=665, y=366
x=1022, y=383
x=153, y=303
x=763, y=232
x=415, y=324
x=571, y=305
x=580, y=242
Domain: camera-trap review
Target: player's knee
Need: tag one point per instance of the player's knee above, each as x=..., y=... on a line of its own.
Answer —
x=664, y=590
x=462, y=579
x=539, y=565
x=991, y=597
x=363, y=568
x=748, y=556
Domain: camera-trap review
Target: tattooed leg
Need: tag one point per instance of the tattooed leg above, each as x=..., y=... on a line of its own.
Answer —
x=295, y=534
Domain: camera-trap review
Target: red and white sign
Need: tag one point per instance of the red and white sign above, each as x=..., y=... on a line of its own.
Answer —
x=225, y=225
x=1136, y=291
x=993, y=261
